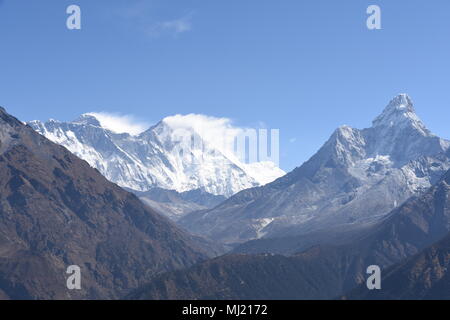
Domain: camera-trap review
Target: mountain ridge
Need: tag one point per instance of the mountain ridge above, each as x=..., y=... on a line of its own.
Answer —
x=323, y=271
x=162, y=156
x=57, y=211
x=357, y=176
x=175, y=204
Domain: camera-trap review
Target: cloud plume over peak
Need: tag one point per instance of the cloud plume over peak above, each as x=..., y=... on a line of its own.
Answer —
x=120, y=123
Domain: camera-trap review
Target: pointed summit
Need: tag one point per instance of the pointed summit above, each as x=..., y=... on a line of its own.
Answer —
x=401, y=102
x=87, y=119
x=8, y=119
x=399, y=133
x=399, y=111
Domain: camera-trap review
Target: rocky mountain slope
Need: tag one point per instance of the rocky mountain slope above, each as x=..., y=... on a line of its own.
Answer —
x=425, y=276
x=57, y=211
x=174, y=154
x=325, y=272
x=247, y=277
x=355, y=179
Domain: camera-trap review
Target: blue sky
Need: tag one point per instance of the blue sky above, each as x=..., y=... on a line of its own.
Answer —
x=304, y=67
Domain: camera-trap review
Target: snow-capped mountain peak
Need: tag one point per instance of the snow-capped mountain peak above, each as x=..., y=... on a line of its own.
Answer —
x=399, y=133
x=355, y=178
x=179, y=153
x=400, y=112
x=87, y=119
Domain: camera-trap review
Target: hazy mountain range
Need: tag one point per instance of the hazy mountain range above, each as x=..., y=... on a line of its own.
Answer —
x=175, y=204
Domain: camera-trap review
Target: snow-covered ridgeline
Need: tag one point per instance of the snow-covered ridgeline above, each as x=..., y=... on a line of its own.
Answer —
x=174, y=154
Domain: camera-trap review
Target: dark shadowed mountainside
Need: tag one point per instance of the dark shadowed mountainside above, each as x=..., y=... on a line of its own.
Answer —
x=250, y=277
x=423, y=276
x=57, y=211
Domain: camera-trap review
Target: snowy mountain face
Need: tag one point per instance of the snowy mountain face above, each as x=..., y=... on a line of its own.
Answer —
x=167, y=155
x=356, y=178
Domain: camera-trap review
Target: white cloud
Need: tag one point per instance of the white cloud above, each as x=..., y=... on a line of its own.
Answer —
x=172, y=27
x=120, y=123
x=220, y=133
x=292, y=140
x=199, y=122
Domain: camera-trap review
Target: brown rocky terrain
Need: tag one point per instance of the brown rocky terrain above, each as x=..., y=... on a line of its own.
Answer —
x=423, y=276
x=57, y=211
